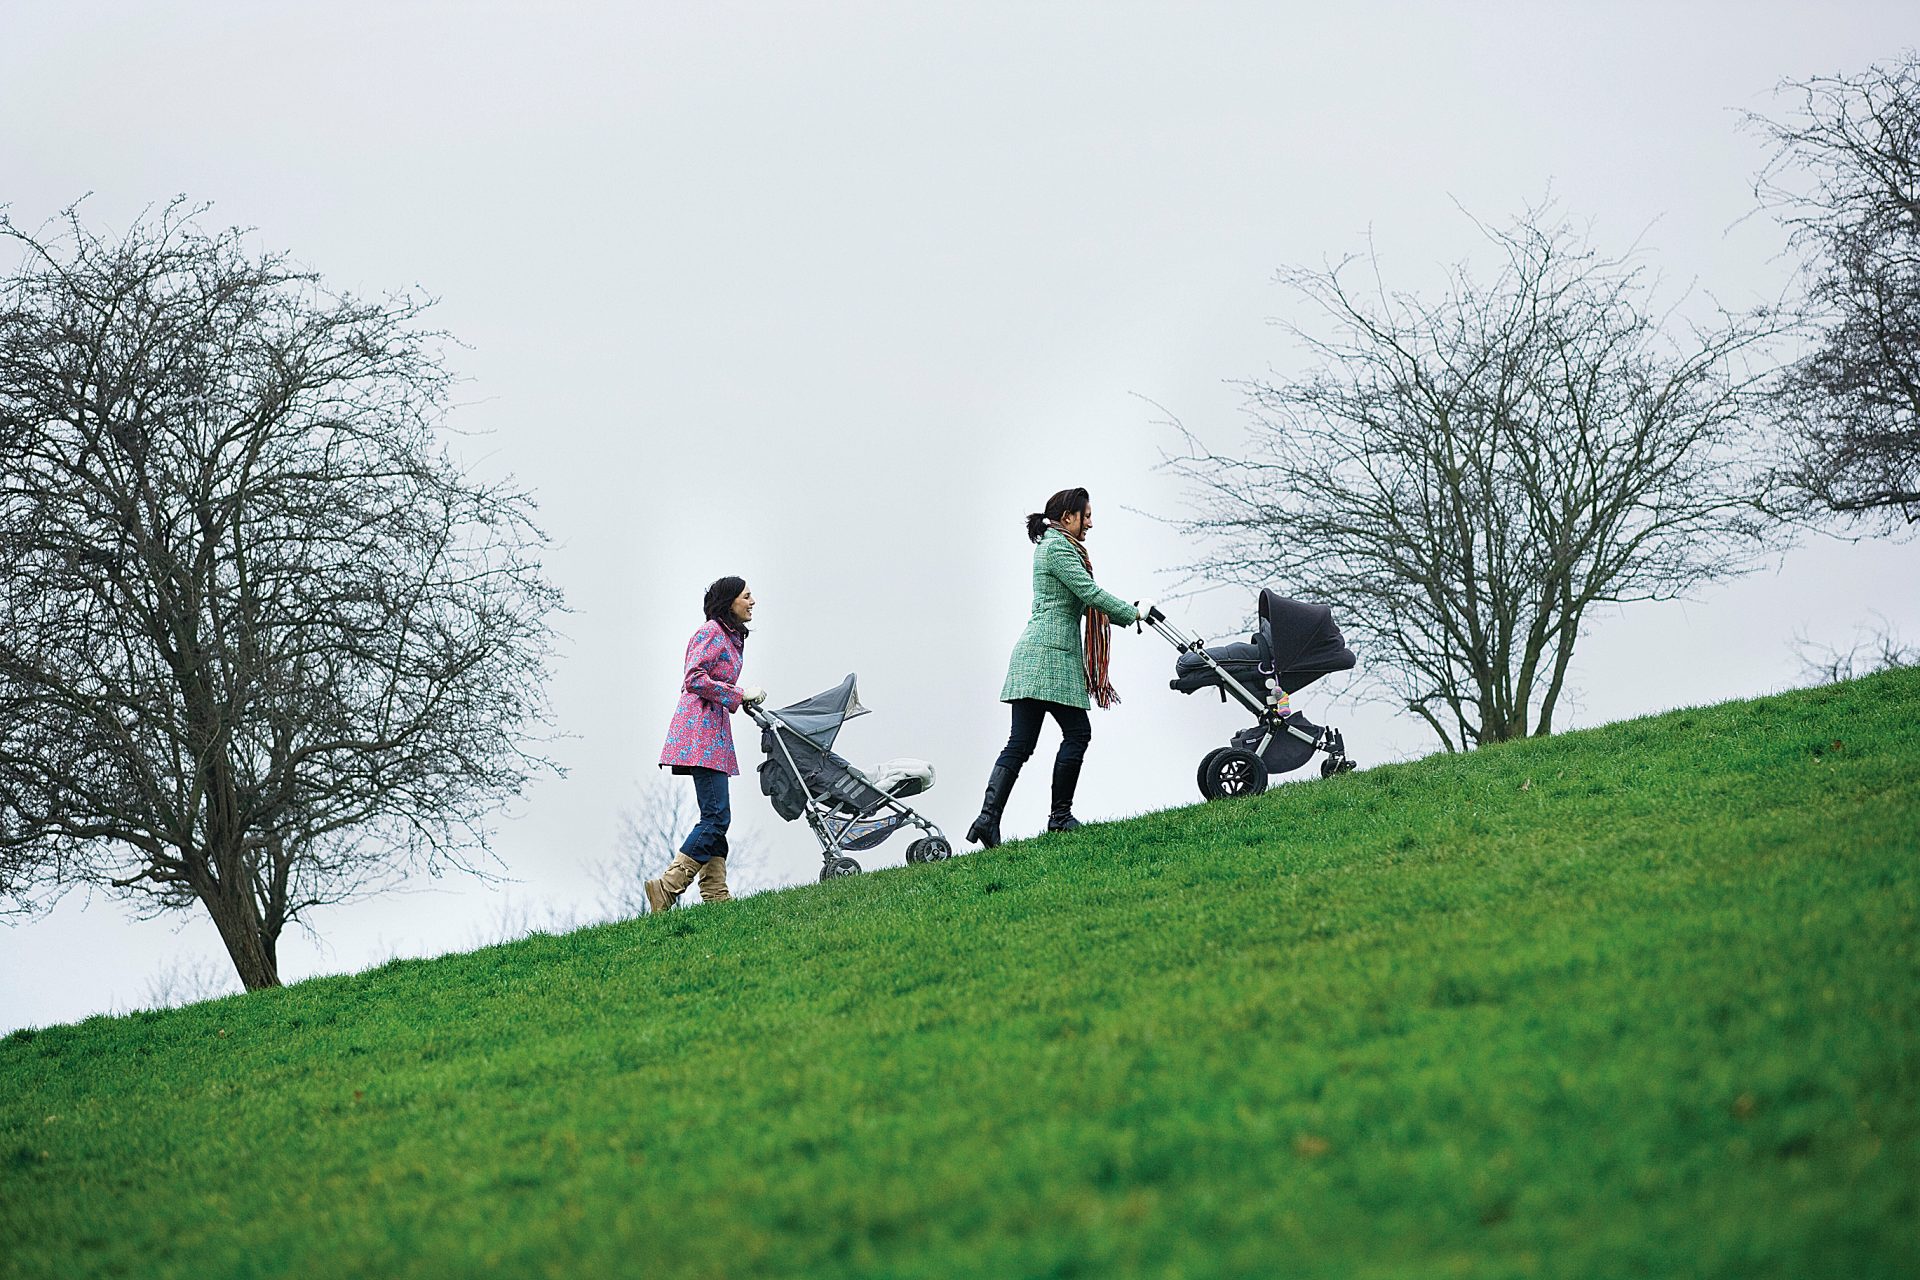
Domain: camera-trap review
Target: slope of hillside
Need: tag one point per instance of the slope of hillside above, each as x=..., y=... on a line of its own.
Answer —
x=1643, y=1000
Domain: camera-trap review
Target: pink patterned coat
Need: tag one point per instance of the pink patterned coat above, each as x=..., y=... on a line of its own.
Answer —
x=701, y=735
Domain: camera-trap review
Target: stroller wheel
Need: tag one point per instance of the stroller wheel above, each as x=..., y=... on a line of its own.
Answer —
x=1206, y=763
x=1234, y=772
x=929, y=849
x=1332, y=766
x=837, y=867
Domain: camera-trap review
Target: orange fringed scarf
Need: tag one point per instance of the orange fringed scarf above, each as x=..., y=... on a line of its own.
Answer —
x=1099, y=640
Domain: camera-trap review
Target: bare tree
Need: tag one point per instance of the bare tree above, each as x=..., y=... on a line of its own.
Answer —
x=263, y=646
x=1876, y=647
x=1466, y=478
x=188, y=980
x=651, y=831
x=1845, y=180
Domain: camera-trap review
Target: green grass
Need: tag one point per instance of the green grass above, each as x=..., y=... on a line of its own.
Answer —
x=1640, y=1001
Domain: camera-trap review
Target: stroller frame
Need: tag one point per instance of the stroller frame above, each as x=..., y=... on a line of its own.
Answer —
x=834, y=822
x=1265, y=711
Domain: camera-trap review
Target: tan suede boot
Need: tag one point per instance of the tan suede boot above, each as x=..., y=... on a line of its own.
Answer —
x=673, y=882
x=713, y=880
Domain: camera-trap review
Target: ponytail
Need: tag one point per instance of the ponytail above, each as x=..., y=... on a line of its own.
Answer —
x=1059, y=506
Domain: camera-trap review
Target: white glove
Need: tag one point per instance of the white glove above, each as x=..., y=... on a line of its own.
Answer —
x=752, y=695
x=1145, y=608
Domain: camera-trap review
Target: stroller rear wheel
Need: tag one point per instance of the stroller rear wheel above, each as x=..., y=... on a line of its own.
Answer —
x=1206, y=763
x=840, y=866
x=1233, y=771
x=929, y=849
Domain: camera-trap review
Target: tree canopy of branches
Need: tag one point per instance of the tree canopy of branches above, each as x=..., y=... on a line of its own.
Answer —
x=263, y=645
x=1845, y=180
x=1464, y=479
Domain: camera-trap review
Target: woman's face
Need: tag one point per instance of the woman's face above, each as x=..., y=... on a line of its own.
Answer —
x=743, y=605
x=1078, y=522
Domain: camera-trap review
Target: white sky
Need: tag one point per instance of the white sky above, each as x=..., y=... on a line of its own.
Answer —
x=831, y=295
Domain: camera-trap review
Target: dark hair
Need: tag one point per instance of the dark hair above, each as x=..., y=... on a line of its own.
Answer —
x=1059, y=507
x=718, y=605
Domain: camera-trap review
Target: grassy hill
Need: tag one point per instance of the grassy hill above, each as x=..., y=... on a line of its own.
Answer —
x=1643, y=1000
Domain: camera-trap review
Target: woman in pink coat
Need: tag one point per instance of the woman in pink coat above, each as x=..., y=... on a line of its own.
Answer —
x=700, y=742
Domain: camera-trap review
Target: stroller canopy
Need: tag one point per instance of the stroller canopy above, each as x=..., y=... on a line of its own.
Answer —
x=818, y=719
x=1302, y=639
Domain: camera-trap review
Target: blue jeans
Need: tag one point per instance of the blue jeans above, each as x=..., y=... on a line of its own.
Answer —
x=709, y=836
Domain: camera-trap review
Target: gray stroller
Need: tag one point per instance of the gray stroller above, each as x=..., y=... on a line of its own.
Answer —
x=849, y=809
x=1296, y=644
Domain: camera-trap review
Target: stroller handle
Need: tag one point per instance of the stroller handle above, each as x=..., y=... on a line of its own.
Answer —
x=1172, y=634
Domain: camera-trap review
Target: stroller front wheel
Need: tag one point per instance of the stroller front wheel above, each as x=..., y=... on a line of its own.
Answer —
x=1233, y=771
x=837, y=867
x=1206, y=763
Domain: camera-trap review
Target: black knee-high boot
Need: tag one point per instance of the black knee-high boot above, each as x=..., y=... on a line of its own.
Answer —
x=1066, y=777
x=985, y=830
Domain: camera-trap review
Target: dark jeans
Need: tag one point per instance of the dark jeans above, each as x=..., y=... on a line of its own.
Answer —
x=709, y=836
x=1076, y=731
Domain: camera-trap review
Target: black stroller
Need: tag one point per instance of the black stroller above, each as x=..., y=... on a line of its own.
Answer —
x=848, y=809
x=1296, y=644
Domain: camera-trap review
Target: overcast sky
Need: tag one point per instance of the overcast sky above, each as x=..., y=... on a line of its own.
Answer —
x=831, y=295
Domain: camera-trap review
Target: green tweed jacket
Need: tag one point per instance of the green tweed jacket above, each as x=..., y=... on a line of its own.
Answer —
x=1050, y=661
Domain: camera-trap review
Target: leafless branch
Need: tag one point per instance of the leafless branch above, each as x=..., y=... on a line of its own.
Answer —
x=1876, y=647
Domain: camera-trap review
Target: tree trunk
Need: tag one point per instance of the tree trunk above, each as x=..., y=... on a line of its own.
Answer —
x=1498, y=725
x=238, y=919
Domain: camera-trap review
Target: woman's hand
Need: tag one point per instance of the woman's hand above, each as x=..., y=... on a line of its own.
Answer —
x=1145, y=608
x=752, y=695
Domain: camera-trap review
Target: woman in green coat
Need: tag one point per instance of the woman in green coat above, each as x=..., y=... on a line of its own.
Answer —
x=1056, y=669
